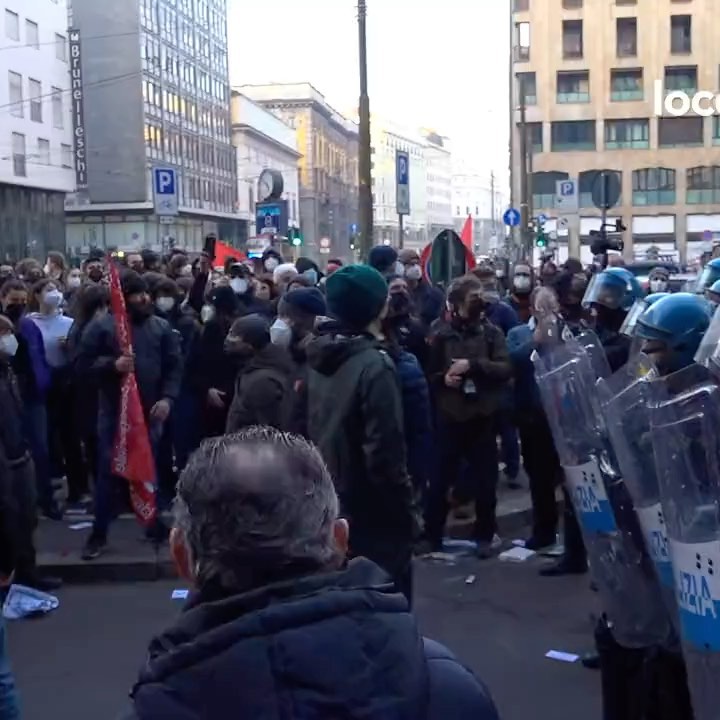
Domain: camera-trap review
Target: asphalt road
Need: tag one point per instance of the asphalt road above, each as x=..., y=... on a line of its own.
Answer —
x=80, y=662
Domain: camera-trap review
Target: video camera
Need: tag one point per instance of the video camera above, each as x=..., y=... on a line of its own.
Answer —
x=601, y=243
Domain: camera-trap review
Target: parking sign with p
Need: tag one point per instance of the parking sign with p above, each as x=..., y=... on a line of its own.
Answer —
x=566, y=196
x=165, y=191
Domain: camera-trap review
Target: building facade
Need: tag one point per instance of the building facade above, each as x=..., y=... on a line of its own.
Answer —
x=438, y=156
x=328, y=144
x=592, y=74
x=35, y=129
x=263, y=141
x=476, y=193
x=153, y=89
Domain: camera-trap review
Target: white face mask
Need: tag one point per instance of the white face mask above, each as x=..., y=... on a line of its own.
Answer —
x=399, y=269
x=186, y=271
x=271, y=263
x=311, y=276
x=239, y=286
x=53, y=298
x=207, y=314
x=165, y=304
x=521, y=283
x=74, y=281
x=8, y=345
x=413, y=272
x=658, y=286
x=280, y=333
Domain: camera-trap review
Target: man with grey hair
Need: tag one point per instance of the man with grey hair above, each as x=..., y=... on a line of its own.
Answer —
x=279, y=624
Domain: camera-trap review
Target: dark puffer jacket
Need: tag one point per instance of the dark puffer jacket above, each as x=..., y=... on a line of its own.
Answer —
x=325, y=647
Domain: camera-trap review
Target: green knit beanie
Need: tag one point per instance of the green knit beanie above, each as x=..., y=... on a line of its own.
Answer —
x=356, y=295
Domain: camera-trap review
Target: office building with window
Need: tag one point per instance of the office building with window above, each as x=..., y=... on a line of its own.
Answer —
x=35, y=128
x=591, y=75
x=328, y=144
x=153, y=90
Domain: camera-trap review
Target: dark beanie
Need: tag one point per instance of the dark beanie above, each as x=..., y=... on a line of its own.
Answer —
x=382, y=257
x=356, y=294
x=302, y=264
x=133, y=283
x=224, y=300
x=253, y=329
x=307, y=300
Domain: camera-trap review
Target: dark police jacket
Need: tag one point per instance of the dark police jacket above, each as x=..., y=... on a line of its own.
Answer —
x=325, y=647
x=158, y=361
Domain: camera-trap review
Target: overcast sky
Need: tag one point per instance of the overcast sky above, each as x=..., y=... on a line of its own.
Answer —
x=432, y=63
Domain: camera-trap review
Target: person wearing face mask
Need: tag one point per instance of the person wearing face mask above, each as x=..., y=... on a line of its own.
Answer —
x=6, y=273
x=469, y=371
x=157, y=365
x=271, y=259
x=179, y=266
x=73, y=283
x=264, y=393
x=309, y=270
x=283, y=275
x=18, y=514
x=659, y=280
x=298, y=312
x=407, y=329
x=56, y=268
x=66, y=460
x=241, y=282
x=429, y=301
x=29, y=270
x=521, y=288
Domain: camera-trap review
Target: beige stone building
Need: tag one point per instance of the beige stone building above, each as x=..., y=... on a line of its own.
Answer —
x=595, y=74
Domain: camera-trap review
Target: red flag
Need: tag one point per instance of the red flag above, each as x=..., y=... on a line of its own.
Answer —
x=467, y=234
x=132, y=456
x=223, y=251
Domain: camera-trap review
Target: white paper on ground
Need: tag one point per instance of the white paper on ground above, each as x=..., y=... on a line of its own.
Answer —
x=562, y=656
x=516, y=554
x=453, y=544
x=80, y=526
x=441, y=557
x=179, y=594
x=23, y=601
x=518, y=543
x=470, y=579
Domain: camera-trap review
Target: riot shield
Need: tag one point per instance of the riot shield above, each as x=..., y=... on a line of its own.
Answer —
x=684, y=422
x=567, y=380
x=625, y=407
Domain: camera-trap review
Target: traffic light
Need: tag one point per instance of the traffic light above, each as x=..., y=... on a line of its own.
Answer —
x=295, y=237
x=541, y=240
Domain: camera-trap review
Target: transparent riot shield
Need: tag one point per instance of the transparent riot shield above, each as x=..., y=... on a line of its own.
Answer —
x=685, y=425
x=625, y=405
x=567, y=380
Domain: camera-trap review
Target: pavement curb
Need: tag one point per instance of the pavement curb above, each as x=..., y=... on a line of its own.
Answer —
x=150, y=568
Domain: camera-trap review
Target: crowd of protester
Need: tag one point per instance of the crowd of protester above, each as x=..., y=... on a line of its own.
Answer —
x=412, y=394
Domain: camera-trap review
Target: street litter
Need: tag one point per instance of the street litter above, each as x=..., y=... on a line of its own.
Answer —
x=179, y=594
x=80, y=526
x=470, y=579
x=22, y=602
x=516, y=554
x=562, y=656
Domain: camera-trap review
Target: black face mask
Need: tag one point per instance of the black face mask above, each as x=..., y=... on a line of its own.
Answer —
x=399, y=304
x=608, y=319
x=96, y=275
x=475, y=310
x=140, y=313
x=15, y=311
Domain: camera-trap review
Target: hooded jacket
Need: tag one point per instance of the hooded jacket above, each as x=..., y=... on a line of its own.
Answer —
x=263, y=391
x=355, y=418
x=325, y=646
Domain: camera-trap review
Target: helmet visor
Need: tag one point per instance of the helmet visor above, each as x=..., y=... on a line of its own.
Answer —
x=600, y=291
x=630, y=325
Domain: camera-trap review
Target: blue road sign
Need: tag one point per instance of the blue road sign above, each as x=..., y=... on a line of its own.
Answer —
x=353, y=228
x=165, y=191
x=542, y=219
x=402, y=175
x=511, y=217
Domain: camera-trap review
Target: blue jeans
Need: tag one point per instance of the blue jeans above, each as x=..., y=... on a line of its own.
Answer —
x=9, y=709
x=509, y=444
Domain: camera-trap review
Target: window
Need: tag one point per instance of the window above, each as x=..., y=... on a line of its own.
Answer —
x=535, y=136
x=19, y=157
x=626, y=40
x=32, y=34
x=527, y=86
x=621, y=134
x=703, y=185
x=15, y=95
x=12, y=25
x=681, y=78
x=61, y=47
x=573, y=87
x=653, y=186
x=680, y=132
x=716, y=130
x=573, y=135
x=522, y=42
x=626, y=85
x=543, y=188
x=680, y=34
x=572, y=4
x=35, y=90
x=572, y=38
x=521, y=5
x=43, y=151
x=66, y=155
x=57, y=108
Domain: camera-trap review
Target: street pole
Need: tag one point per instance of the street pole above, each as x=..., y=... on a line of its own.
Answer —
x=525, y=211
x=493, y=226
x=365, y=199
x=401, y=225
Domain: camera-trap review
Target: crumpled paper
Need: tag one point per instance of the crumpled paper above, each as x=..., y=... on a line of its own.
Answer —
x=23, y=601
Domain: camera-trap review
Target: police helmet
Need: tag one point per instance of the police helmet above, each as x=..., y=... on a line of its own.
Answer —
x=615, y=288
x=672, y=329
x=709, y=276
x=640, y=306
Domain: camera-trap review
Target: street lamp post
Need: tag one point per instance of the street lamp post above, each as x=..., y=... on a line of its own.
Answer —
x=365, y=199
